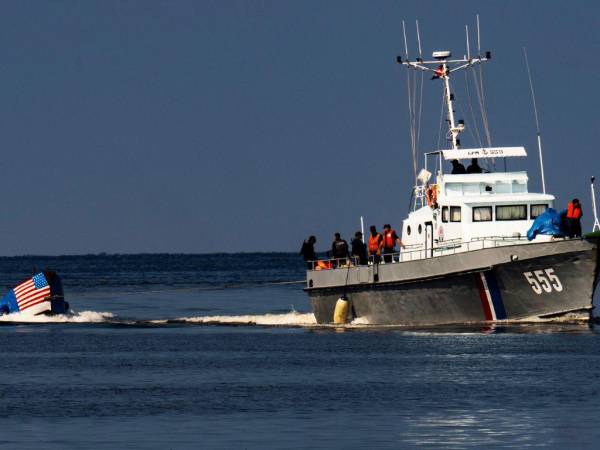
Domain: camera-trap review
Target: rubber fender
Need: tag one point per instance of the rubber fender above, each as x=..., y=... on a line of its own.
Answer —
x=340, y=314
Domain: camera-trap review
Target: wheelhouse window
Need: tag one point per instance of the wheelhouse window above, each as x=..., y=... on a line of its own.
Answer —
x=537, y=210
x=482, y=214
x=445, y=215
x=511, y=212
x=455, y=214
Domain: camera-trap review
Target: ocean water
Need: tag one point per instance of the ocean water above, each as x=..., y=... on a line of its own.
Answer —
x=220, y=351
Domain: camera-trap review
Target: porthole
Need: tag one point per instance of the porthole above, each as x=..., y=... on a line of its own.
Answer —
x=408, y=230
x=420, y=229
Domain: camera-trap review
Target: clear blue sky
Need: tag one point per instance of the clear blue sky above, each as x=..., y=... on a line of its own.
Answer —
x=206, y=126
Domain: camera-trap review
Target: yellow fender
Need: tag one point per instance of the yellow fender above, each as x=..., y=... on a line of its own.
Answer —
x=340, y=314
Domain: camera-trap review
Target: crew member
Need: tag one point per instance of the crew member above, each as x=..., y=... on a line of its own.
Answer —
x=574, y=214
x=339, y=250
x=308, y=251
x=457, y=167
x=359, y=249
x=375, y=241
x=474, y=167
x=438, y=73
x=388, y=243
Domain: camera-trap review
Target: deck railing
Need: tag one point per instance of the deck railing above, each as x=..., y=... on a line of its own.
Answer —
x=418, y=252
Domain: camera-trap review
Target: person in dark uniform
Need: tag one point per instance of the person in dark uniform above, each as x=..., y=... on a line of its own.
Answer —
x=339, y=250
x=474, y=167
x=457, y=167
x=359, y=249
x=308, y=251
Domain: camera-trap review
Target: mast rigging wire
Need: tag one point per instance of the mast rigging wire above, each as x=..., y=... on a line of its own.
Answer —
x=410, y=109
x=421, y=90
x=537, y=122
x=472, y=111
x=481, y=101
x=414, y=88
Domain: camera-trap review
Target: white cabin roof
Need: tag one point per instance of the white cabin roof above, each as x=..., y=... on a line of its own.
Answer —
x=489, y=152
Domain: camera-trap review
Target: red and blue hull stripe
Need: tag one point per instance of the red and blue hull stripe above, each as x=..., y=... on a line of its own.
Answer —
x=490, y=296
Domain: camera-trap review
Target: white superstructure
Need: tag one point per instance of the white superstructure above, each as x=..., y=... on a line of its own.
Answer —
x=473, y=206
x=461, y=211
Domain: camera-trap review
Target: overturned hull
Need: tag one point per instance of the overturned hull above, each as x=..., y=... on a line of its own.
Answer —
x=517, y=282
x=40, y=294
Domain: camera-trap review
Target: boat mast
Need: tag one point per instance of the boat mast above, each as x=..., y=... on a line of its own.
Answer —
x=454, y=130
x=442, y=66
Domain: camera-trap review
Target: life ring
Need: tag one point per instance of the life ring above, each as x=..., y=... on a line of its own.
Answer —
x=431, y=195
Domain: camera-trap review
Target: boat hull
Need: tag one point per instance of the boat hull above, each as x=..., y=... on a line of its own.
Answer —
x=41, y=294
x=521, y=282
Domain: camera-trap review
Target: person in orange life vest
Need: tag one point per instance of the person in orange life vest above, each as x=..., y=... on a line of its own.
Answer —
x=574, y=214
x=388, y=243
x=375, y=241
x=438, y=73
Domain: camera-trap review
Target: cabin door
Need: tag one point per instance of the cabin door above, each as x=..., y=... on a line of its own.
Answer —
x=428, y=239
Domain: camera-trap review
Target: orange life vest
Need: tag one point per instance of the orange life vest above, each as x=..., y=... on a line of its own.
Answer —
x=389, y=240
x=573, y=212
x=323, y=265
x=374, y=242
x=431, y=195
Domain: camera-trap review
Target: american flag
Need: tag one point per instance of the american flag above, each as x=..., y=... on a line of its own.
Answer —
x=32, y=292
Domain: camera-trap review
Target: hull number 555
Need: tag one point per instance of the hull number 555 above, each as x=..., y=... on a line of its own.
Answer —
x=543, y=281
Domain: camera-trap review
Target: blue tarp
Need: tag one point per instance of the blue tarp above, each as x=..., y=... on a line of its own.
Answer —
x=549, y=222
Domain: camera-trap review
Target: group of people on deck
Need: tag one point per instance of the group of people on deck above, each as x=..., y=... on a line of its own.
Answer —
x=378, y=245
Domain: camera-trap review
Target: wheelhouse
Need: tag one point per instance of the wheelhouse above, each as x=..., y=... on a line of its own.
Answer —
x=460, y=208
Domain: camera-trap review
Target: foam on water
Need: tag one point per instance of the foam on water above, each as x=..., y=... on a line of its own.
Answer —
x=291, y=319
x=74, y=317
x=360, y=321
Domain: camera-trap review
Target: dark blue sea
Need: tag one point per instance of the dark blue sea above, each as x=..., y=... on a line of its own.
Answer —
x=219, y=352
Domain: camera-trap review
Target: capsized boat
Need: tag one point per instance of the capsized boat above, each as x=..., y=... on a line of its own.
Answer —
x=40, y=294
x=466, y=257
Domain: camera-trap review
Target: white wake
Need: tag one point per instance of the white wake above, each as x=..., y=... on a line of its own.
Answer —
x=73, y=317
x=291, y=319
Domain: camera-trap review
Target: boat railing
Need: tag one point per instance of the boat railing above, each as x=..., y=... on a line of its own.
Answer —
x=416, y=252
x=450, y=247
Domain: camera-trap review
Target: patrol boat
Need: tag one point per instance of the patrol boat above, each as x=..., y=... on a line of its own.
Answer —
x=466, y=256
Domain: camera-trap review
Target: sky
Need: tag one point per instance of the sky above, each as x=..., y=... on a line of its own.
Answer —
x=225, y=126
